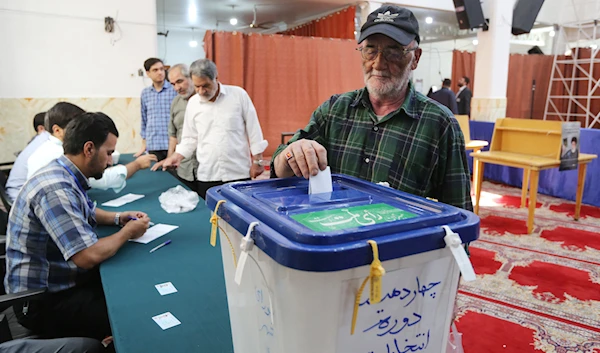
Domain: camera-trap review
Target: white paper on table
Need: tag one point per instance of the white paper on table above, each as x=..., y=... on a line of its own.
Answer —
x=154, y=232
x=166, y=288
x=125, y=199
x=321, y=182
x=166, y=320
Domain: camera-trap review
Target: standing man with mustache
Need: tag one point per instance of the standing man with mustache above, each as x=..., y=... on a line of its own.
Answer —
x=387, y=131
x=222, y=126
x=179, y=77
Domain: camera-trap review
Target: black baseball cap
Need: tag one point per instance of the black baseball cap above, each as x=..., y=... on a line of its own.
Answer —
x=395, y=22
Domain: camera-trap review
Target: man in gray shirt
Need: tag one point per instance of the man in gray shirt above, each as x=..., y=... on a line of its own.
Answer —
x=179, y=77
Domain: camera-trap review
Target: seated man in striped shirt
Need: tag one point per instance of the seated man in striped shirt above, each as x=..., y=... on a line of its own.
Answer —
x=387, y=131
x=51, y=243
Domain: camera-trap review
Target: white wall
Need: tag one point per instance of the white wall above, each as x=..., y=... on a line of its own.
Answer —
x=436, y=61
x=175, y=48
x=58, y=48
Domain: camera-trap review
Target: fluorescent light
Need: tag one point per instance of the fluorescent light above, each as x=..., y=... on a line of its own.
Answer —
x=192, y=12
x=428, y=20
x=568, y=52
x=475, y=42
x=552, y=33
x=594, y=46
x=233, y=21
x=193, y=43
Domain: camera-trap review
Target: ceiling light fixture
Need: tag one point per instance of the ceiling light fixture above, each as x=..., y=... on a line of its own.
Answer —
x=192, y=13
x=428, y=20
x=193, y=43
x=552, y=33
x=475, y=42
x=233, y=21
x=594, y=46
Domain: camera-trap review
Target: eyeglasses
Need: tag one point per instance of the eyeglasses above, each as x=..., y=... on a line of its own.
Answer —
x=389, y=54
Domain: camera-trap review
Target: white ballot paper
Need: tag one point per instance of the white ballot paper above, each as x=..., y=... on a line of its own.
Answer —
x=154, y=232
x=320, y=183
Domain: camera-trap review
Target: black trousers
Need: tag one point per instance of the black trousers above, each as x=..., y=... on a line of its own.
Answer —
x=203, y=186
x=62, y=345
x=160, y=154
x=76, y=312
x=193, y=185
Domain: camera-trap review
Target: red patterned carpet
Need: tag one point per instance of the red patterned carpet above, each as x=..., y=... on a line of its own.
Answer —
x=534, y=293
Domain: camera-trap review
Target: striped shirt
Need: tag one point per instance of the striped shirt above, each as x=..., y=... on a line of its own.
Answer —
x=156, y=113
x=419, y=148
x=50, y=221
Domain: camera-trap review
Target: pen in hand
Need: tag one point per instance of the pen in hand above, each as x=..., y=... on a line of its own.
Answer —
x=161, y=245
x=135, y=219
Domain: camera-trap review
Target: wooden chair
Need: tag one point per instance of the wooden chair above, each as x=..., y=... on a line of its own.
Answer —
x=470, y=145
x=533, y=145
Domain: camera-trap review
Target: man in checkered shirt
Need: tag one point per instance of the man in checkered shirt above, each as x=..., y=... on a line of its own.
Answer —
x=51, y=243
x=156, y=111
x=387, y=131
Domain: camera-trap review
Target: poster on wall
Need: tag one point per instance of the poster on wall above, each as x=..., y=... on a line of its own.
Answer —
x=569, y=151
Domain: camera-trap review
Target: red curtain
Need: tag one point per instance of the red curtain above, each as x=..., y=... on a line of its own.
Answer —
x=559, y=89
x=226, y=49
x=287, y=77
x=522, y=70
x=463, y=64
x=583, y=88
x=337, y=25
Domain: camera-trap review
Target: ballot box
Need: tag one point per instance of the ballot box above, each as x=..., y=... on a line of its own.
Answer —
x=364, y=268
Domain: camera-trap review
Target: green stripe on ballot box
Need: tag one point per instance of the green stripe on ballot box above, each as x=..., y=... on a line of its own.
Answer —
x=351, y=217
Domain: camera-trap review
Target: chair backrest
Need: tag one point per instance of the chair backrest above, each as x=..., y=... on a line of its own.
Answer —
x=532, y=137
x=3, y=195
x=463, y=121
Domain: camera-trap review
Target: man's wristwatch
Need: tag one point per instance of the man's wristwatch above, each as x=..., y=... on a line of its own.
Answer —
x=117, y=218
x=260, y=162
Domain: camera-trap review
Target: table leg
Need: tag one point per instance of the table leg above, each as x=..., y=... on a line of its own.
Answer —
x=580, y=184
x=533, y=189
x=526, y=173
x=478, y=179
x=475, y=167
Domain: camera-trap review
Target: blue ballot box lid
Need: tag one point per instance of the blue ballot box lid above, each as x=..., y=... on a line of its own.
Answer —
x=329, y=231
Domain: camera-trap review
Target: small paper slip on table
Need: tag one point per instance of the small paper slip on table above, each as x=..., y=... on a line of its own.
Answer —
x=123, y=200
x=297, y=261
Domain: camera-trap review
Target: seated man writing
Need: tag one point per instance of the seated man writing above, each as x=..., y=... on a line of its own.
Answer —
x=57, y=119
x=51, y=241
x=18, y=173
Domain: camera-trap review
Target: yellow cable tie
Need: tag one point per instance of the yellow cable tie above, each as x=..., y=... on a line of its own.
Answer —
x=375, y=274
x=214, y=219
x=231, y=246
x=377, y=271
x=357, y=304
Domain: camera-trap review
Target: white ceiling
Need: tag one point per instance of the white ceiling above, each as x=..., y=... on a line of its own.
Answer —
x=211, y=14
x=178, y=15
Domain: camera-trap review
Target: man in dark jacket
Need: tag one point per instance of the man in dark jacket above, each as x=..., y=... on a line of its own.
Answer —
x=463, y=97
x=445, y=96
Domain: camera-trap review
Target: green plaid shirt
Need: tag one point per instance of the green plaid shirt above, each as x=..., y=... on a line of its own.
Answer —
x=418, y=148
